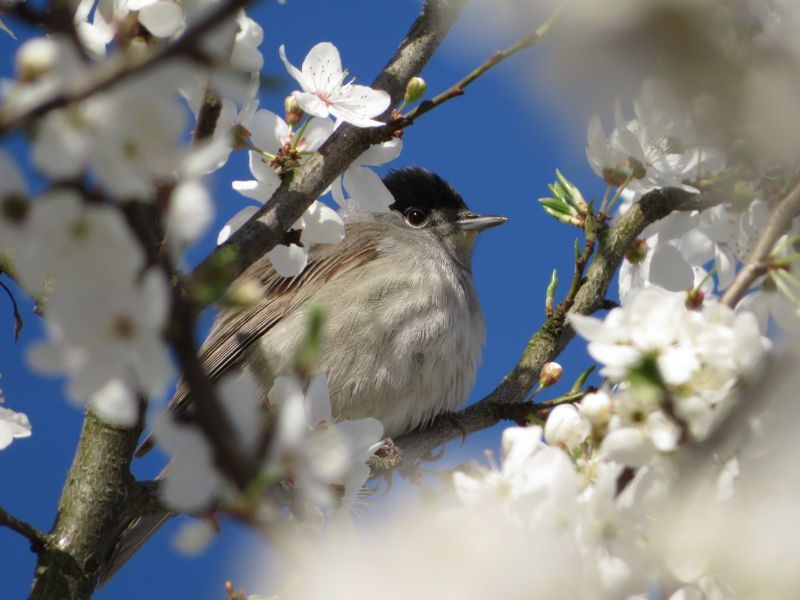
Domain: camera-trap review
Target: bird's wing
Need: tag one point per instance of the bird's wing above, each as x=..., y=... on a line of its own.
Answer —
x=235, y=330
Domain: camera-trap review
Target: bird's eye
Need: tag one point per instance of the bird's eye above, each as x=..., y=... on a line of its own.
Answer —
x=416, y=217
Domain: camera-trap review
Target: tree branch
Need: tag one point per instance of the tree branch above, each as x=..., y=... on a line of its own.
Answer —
x=553, y=336
x=87, y=524
x=758, y=262
x=36, y=538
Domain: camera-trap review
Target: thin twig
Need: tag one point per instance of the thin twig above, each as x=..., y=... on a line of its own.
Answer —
x=521, y=412
x=34, y=536
x=18, y=322
x=207, y=117
x=758, y=262
x=457, y=89
x=577, y=276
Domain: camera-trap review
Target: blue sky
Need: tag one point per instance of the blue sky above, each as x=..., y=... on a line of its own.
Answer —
x=499, y=145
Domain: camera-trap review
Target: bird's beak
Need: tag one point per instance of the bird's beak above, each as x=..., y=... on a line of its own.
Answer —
x=474, y=222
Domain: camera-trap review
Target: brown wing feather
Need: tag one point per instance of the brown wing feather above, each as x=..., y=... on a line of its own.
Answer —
x=234, y=331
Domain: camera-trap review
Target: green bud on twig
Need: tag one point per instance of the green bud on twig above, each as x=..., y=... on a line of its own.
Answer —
x=414, y=90
x=550, y=294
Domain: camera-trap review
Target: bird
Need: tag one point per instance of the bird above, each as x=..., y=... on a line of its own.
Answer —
x=403, y=331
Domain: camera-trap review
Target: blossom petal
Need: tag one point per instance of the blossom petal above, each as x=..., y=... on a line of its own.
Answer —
x=323, y=225
x=378, y=154
x=317, y=131
x=366, y=188
x=322, y=66
x=162, y=19
x=360, y=105
x=12, y=425
x=296, y=73
x=312, y=104
x=288, y=260
x=235, y=222
x=268, y=131
x=116, y=404
x=669, y=269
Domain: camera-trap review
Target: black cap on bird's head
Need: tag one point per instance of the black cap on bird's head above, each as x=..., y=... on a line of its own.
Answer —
x=424, y=199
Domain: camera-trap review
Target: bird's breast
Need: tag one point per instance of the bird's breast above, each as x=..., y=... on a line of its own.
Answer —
x=401, y=345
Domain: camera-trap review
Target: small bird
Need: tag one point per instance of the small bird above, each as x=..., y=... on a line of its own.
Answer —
x=403, y=327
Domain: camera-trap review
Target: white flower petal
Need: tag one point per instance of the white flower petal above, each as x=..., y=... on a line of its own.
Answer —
x=116, y=404
x=268, y=131
x=318, y=401
x=669, y=269
x=190, y=210
x=235, y=222
x=628, y=446
x=162, y=19
x=323, y=225
x=379, y=154
x=317, y=131
x=12, y=425
x=288, y=261
x=194, y=536
x=311, y=104
x=367, y=189
x=322, y=67
x=304, y=82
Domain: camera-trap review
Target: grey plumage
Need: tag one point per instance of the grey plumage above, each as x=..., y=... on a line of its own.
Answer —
x=403, y=327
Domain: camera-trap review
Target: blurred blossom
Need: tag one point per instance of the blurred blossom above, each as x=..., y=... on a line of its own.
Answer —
x=323, y=462
x=195, y=483
x=104, y=318
x=658, y=148
x=128, y=137
x=317, y=454
x=566, y=427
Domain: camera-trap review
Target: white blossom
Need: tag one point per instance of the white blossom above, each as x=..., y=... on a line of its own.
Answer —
x=319, y=224
x=13, y=425
x=326, y=93
x=566, y=427
x=128, y=137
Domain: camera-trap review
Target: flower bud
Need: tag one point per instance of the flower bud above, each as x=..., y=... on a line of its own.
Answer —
x=35, y=58
x=596, y=407
x=414, y=90
x=566, y=427
x=294, y=113
x=637, y=252
x=694, y=298
x=550, y=374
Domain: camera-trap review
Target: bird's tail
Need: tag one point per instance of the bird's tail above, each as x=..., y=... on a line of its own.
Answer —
x=133, y=537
